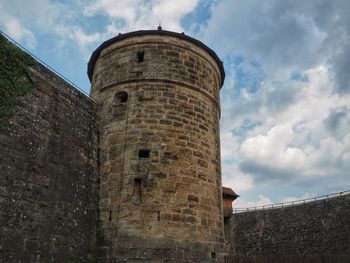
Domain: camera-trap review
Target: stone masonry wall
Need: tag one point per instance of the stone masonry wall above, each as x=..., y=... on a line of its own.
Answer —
x=48, y=174
x=166, y=105
x=316, y=228
x=164, y=58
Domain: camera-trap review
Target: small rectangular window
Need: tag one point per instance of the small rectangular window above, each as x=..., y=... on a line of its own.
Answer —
x=140, y=56
x=144, y=153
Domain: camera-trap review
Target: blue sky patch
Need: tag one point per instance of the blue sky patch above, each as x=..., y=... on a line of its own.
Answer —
x=245, y=127
x=299, y=77
x=261, y=83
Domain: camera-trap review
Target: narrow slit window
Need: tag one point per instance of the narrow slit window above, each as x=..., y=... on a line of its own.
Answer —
x=213, y=255
x=143, y=154
x=120, y=98
x=140, y=56
x=136, y=193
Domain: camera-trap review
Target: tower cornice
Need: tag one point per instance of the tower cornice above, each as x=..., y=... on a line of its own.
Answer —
x=95, y=55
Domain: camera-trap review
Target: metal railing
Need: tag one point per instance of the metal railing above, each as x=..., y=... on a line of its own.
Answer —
x=47, y=66
x=291, y=203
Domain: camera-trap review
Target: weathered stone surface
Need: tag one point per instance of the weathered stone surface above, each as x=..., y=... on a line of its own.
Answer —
x=316, y=228
x=48, y=175
x=172, y=111
x=148, y=187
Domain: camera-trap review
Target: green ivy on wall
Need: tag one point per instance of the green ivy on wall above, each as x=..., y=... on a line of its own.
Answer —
x=14, y=79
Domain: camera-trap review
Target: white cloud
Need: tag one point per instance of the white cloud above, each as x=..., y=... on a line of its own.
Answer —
x=66, y=22
x=173, y=8
x=230, y=145
x=285, y=36
x=83, y=39
x=235, y=179
x=16, y=30
x=56, y=20
x=274, y=129
x=138, y=14
x=42, y=13
x=124, y=9
x=273, y=149
x=291, y=145
x=279, y=129
x=242, y=203
x=306, y=195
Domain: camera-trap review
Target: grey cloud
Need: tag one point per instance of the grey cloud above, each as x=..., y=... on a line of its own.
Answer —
x=45, y=14
x=330, y=183
x=275, y=100
x=293, y=34
x=338, y=122
x=287, y=37
x=341, y=71
x=266, y=174
x=337, y=25
x=335, y=117
x=243, y=107
x=282, y=96
x=272, y=31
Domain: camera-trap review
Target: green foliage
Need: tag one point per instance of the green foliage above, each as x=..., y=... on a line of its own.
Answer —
x=14, y=80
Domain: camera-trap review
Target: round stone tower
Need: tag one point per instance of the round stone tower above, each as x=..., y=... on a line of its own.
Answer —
x=160, y=178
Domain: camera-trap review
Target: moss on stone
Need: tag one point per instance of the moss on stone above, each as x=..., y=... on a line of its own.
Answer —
x=14, y=78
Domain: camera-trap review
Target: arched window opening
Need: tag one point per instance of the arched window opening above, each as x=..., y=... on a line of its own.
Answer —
x=120, y=98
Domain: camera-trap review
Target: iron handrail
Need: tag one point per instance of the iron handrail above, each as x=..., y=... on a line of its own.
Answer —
x=290, y=203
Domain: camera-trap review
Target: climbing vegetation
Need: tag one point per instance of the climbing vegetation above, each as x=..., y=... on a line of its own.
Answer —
x=14, y=78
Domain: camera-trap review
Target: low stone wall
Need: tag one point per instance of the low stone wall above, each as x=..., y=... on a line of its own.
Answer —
x=289, y=259
x=48, y=172
x=318, y=229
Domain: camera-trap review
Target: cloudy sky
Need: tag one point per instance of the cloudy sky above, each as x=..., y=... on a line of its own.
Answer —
x=285, y=126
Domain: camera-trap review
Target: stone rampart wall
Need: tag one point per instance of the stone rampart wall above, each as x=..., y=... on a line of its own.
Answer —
x=316, y=228
x=48, y=173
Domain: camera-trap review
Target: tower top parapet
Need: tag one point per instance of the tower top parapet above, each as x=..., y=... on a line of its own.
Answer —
x=95, y=55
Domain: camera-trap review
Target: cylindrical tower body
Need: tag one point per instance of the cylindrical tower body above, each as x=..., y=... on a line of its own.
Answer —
x=160, y=195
